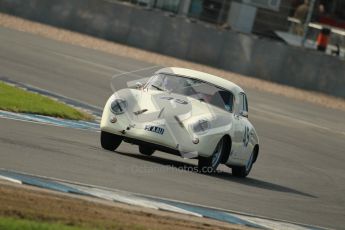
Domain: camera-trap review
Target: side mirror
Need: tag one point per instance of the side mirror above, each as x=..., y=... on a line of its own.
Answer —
x=244, y=113
x=139, y=85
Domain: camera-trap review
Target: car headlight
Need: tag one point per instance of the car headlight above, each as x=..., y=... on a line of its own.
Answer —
x=201, y=126
x=118, y=106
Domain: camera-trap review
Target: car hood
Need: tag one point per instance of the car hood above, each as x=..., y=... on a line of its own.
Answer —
x=157, y=106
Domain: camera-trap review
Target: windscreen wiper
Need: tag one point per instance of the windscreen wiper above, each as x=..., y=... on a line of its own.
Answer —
x=158, y=88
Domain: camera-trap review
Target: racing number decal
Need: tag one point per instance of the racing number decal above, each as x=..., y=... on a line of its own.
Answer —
x=246, y=136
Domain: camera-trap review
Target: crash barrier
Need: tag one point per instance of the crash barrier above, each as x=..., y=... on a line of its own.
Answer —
x=182, y=38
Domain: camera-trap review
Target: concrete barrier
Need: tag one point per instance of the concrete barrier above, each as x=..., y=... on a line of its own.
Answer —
x=175, y=36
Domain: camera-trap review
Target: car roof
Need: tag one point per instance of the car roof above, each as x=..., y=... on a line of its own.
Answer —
x=221, y=82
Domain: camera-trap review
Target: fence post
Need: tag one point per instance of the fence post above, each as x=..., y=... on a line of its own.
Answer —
x=184, y=6
x=306, y=24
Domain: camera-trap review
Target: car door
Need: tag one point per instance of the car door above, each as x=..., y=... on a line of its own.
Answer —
x=238, y=131
x=245, y=125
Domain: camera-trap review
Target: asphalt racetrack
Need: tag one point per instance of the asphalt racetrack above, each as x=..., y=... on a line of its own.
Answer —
x=299, y=176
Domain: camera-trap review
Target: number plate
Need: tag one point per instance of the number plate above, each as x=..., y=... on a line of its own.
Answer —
x=154, y=129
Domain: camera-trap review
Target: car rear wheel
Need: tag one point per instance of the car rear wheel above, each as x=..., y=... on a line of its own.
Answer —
x=209, y=164
x=110, y=141
x=146, y=150
x=243, y=171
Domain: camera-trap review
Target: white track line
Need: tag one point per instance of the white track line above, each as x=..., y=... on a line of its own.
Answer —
x=307, y=123
x=10, y=179
x=130, y=199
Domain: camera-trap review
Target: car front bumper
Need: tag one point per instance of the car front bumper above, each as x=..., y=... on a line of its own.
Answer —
x=174, y=138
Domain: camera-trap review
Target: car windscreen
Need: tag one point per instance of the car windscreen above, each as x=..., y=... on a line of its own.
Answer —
x=193, y=88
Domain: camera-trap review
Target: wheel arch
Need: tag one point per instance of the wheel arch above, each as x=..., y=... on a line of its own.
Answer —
x=256, y=152
x=228, y=146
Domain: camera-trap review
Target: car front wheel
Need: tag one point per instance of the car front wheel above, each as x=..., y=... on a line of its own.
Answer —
x=146, y=150
x=110, y=141
x=209, y=164
x=243, y=171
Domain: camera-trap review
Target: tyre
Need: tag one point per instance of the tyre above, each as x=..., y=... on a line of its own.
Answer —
x=146, y=150
x=243, y=171
x=209, y=165
x=110, y=141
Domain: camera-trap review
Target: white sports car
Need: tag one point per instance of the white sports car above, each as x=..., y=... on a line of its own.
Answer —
x=184, y=112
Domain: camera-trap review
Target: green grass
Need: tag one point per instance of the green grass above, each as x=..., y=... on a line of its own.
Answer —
x=10, y=223
x=7, y=223
x=18, y=100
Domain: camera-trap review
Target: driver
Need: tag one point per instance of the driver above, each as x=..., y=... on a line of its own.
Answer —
x=222, y=99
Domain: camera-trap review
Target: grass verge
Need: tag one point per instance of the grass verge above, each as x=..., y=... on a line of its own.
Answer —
x=20, y=224
x=18, y=100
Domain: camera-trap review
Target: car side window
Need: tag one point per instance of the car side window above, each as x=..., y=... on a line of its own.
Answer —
x=243, y=102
